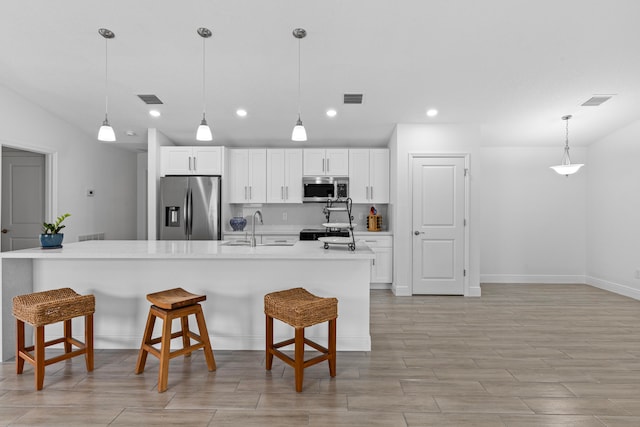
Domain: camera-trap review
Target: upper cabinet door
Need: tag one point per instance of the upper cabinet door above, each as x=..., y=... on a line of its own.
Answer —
x=293, y=176
x=238, y=176
x=257, y=175
x=314, y=162
x=175, y=161
x=337, y=162
x=359, y=175
x=379, y=175
x=275, y=175
x=207, y=160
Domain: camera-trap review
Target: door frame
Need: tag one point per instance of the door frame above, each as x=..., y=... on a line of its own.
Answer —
x=50, y=175
x=467, y=197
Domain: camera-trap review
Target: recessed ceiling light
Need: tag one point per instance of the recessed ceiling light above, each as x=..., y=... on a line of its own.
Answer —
x=154, y=113
x=432, y=112
x=331, y=112
x=241, y=112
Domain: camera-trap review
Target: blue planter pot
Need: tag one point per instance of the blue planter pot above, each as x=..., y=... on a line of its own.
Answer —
x=51, y=240
x=238, y=223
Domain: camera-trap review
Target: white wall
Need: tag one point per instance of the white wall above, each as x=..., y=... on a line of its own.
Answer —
x=532, y=220
x=155, y=140
x=82, y=163
x=429, y=139
x=613, y=212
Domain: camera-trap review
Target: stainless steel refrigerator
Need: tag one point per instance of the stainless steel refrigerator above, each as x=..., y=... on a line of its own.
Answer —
x=190, y=208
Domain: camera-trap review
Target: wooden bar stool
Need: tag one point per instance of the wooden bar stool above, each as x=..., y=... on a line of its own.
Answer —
x=300, y=309
x=44, y=308
x=168, y=305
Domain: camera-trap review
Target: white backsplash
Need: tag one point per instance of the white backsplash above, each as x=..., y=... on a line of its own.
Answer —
x=306, y=215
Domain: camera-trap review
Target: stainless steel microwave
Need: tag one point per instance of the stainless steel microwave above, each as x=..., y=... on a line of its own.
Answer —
x=323, y=188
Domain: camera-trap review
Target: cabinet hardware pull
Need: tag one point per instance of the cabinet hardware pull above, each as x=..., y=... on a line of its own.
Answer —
x=328, y=169
x=322, y=165
x=367, y=187
x=286, y=192
x=282, y=192
x=195, y=165
x=245, y=192
x=189, y=162
x=371, y=191
x=250, y=195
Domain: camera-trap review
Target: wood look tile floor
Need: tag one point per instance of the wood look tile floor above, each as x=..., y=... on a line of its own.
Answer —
x=521, y=355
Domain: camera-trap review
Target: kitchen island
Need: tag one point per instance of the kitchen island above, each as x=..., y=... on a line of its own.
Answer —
x=234, y=278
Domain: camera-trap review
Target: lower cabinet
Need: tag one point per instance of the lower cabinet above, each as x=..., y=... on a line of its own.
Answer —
x=382, y=265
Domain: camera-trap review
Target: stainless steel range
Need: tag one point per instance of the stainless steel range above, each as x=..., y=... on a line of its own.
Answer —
x=314, y=233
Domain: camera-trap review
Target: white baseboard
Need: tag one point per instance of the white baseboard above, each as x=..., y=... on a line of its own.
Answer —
x=617, y=288
x=380, y=285
x=533, y=278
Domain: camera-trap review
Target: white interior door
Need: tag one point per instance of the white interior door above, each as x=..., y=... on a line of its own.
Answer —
x=23, y=199
x=438, y=225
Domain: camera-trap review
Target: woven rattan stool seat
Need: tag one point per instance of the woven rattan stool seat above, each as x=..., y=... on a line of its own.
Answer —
x=44, y=308
x=299, y=308
x=174, y=298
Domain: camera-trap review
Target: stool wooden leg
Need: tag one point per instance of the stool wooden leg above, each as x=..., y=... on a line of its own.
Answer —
x=204, y=336
x=269, y=356
x=142, y=354
x=186, y=341
x=67, y=336
x=88, y=341
x=38, y=353
x=332, y=347
x=19, y=346
x=165, y=350
x=299, y=358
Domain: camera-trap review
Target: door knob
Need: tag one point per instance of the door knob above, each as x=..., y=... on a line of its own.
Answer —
x=417, y=233
x=5, y=231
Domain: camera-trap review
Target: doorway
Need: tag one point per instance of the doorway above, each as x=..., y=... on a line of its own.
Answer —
x=23, y=198
x=439, y=195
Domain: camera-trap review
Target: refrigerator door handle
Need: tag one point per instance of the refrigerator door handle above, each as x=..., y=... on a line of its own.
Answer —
x=188, y=222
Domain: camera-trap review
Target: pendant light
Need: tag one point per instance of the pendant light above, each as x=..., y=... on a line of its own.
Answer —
x=299, y=133
x=567, y=168
x=106, y=132
x=204, y=132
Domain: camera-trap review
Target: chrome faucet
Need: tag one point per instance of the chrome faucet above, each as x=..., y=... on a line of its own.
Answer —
x=253, y=227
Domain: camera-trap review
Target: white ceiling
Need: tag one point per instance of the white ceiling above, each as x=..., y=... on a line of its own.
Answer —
x=512, y=67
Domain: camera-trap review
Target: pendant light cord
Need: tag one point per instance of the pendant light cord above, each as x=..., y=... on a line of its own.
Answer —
x=298, y=78
x=106, y=79
x=204, y=102
x=566, y=160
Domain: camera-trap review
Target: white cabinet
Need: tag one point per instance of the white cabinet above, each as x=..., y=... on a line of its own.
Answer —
x=247, y=173
x=284, y=176
x=279, y=239
x=382, y=264
x=177, y=160
x=369, y=175
x=329, y=162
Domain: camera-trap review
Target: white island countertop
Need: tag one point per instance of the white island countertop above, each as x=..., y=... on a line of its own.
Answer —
x=193, y=249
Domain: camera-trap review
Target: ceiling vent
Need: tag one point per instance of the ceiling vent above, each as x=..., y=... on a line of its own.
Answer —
x=353, y=98
x=596, y=100
x=150, y=99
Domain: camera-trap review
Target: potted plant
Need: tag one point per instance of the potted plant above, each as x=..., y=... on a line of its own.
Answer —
x=51, y=236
